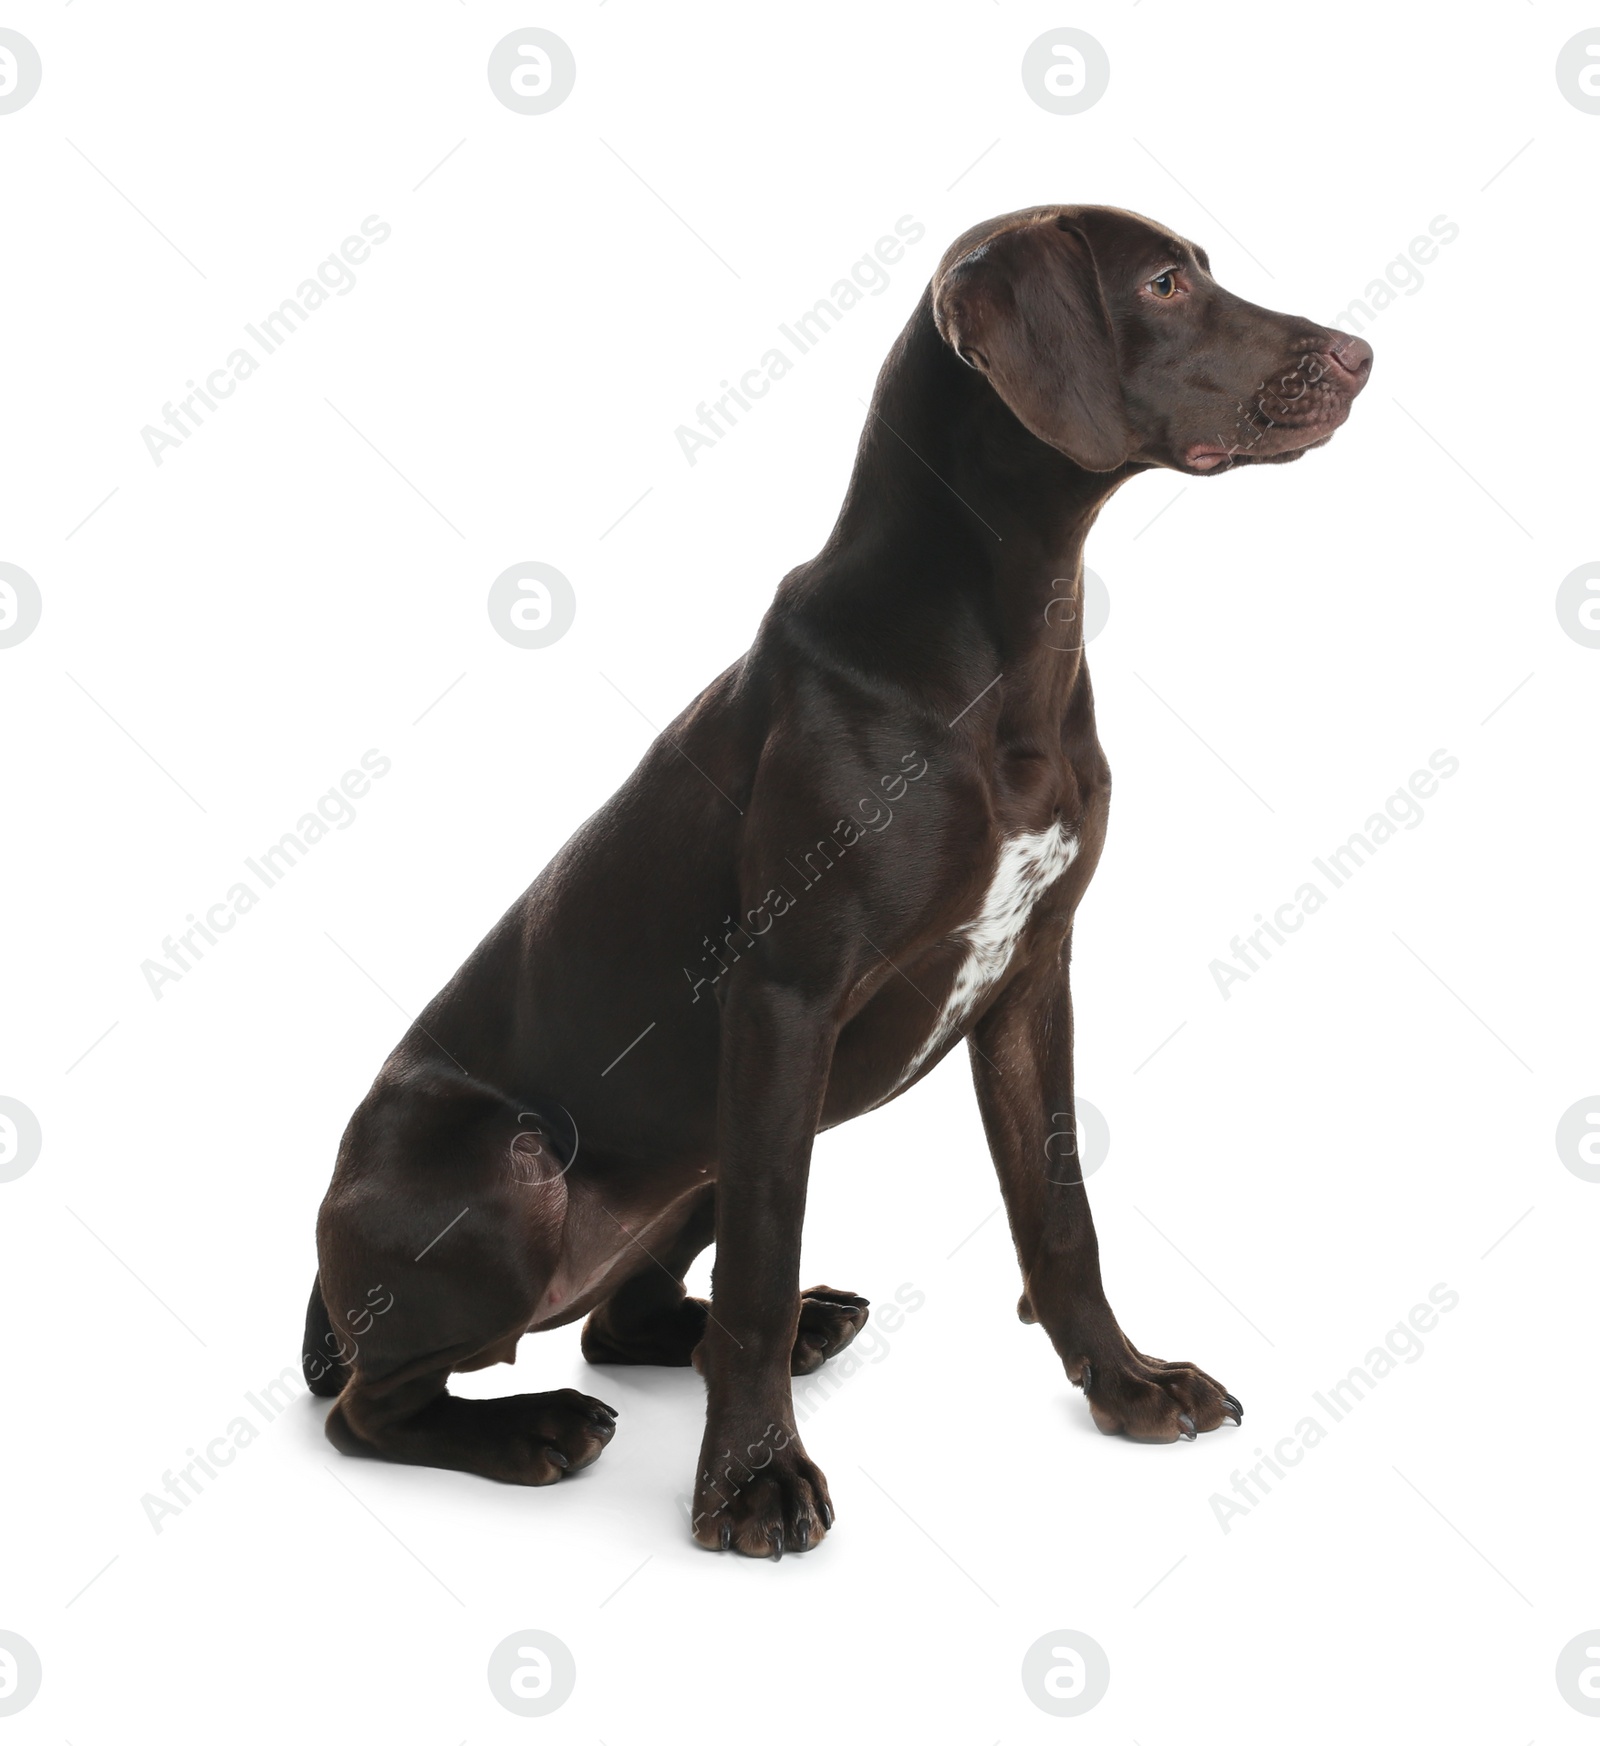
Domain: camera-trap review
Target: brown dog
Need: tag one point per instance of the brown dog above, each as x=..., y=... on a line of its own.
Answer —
x=861, y=844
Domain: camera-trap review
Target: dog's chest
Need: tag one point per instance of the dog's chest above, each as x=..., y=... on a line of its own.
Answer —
x=1029, y=864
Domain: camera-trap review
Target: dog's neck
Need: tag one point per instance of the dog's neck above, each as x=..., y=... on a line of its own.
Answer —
x=994, y=519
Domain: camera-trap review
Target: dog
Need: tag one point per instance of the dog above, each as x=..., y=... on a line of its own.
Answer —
x=859, y=846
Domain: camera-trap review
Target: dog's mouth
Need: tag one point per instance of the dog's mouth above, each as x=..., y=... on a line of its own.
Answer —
x=1276, y=443
x=1301, y=411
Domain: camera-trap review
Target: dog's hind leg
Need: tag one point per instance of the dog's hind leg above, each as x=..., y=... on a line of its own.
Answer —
x=523, y=1439
x=650, y=1319
x=436, y=1242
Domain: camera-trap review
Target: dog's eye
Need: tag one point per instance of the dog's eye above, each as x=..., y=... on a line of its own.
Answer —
x=1165, y=285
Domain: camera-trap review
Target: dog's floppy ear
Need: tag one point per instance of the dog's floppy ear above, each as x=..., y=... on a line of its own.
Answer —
x=1026, y=309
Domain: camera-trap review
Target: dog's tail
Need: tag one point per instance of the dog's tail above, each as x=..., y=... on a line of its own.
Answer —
x=321, y=1359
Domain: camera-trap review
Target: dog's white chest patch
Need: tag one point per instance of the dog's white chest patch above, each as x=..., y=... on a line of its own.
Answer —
x=1029, y=865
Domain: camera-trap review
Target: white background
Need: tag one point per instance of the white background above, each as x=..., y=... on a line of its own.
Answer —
x=1293, y=1170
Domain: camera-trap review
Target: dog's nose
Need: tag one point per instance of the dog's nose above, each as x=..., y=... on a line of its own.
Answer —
x=1351, y=359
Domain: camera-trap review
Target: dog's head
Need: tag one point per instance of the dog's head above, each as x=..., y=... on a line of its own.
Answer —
x=1107, y=337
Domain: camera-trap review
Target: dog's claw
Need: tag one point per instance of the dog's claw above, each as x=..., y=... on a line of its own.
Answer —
x=825, y=1510
x=726, y=1536
x=1088, y=1377
x=1186, y=1425
x=1233, y=1406
x=802, y=1537
x=555, y=1455
x=776, y=1538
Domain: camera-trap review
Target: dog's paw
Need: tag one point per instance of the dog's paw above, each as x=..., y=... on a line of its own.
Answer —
x=550, y=1436
x=829, y=1321
x=762, y=1496
x=1152, y=1402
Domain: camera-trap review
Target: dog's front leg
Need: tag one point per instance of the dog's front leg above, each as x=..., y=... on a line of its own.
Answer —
x=756, y=1491
x=1022, y=1066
